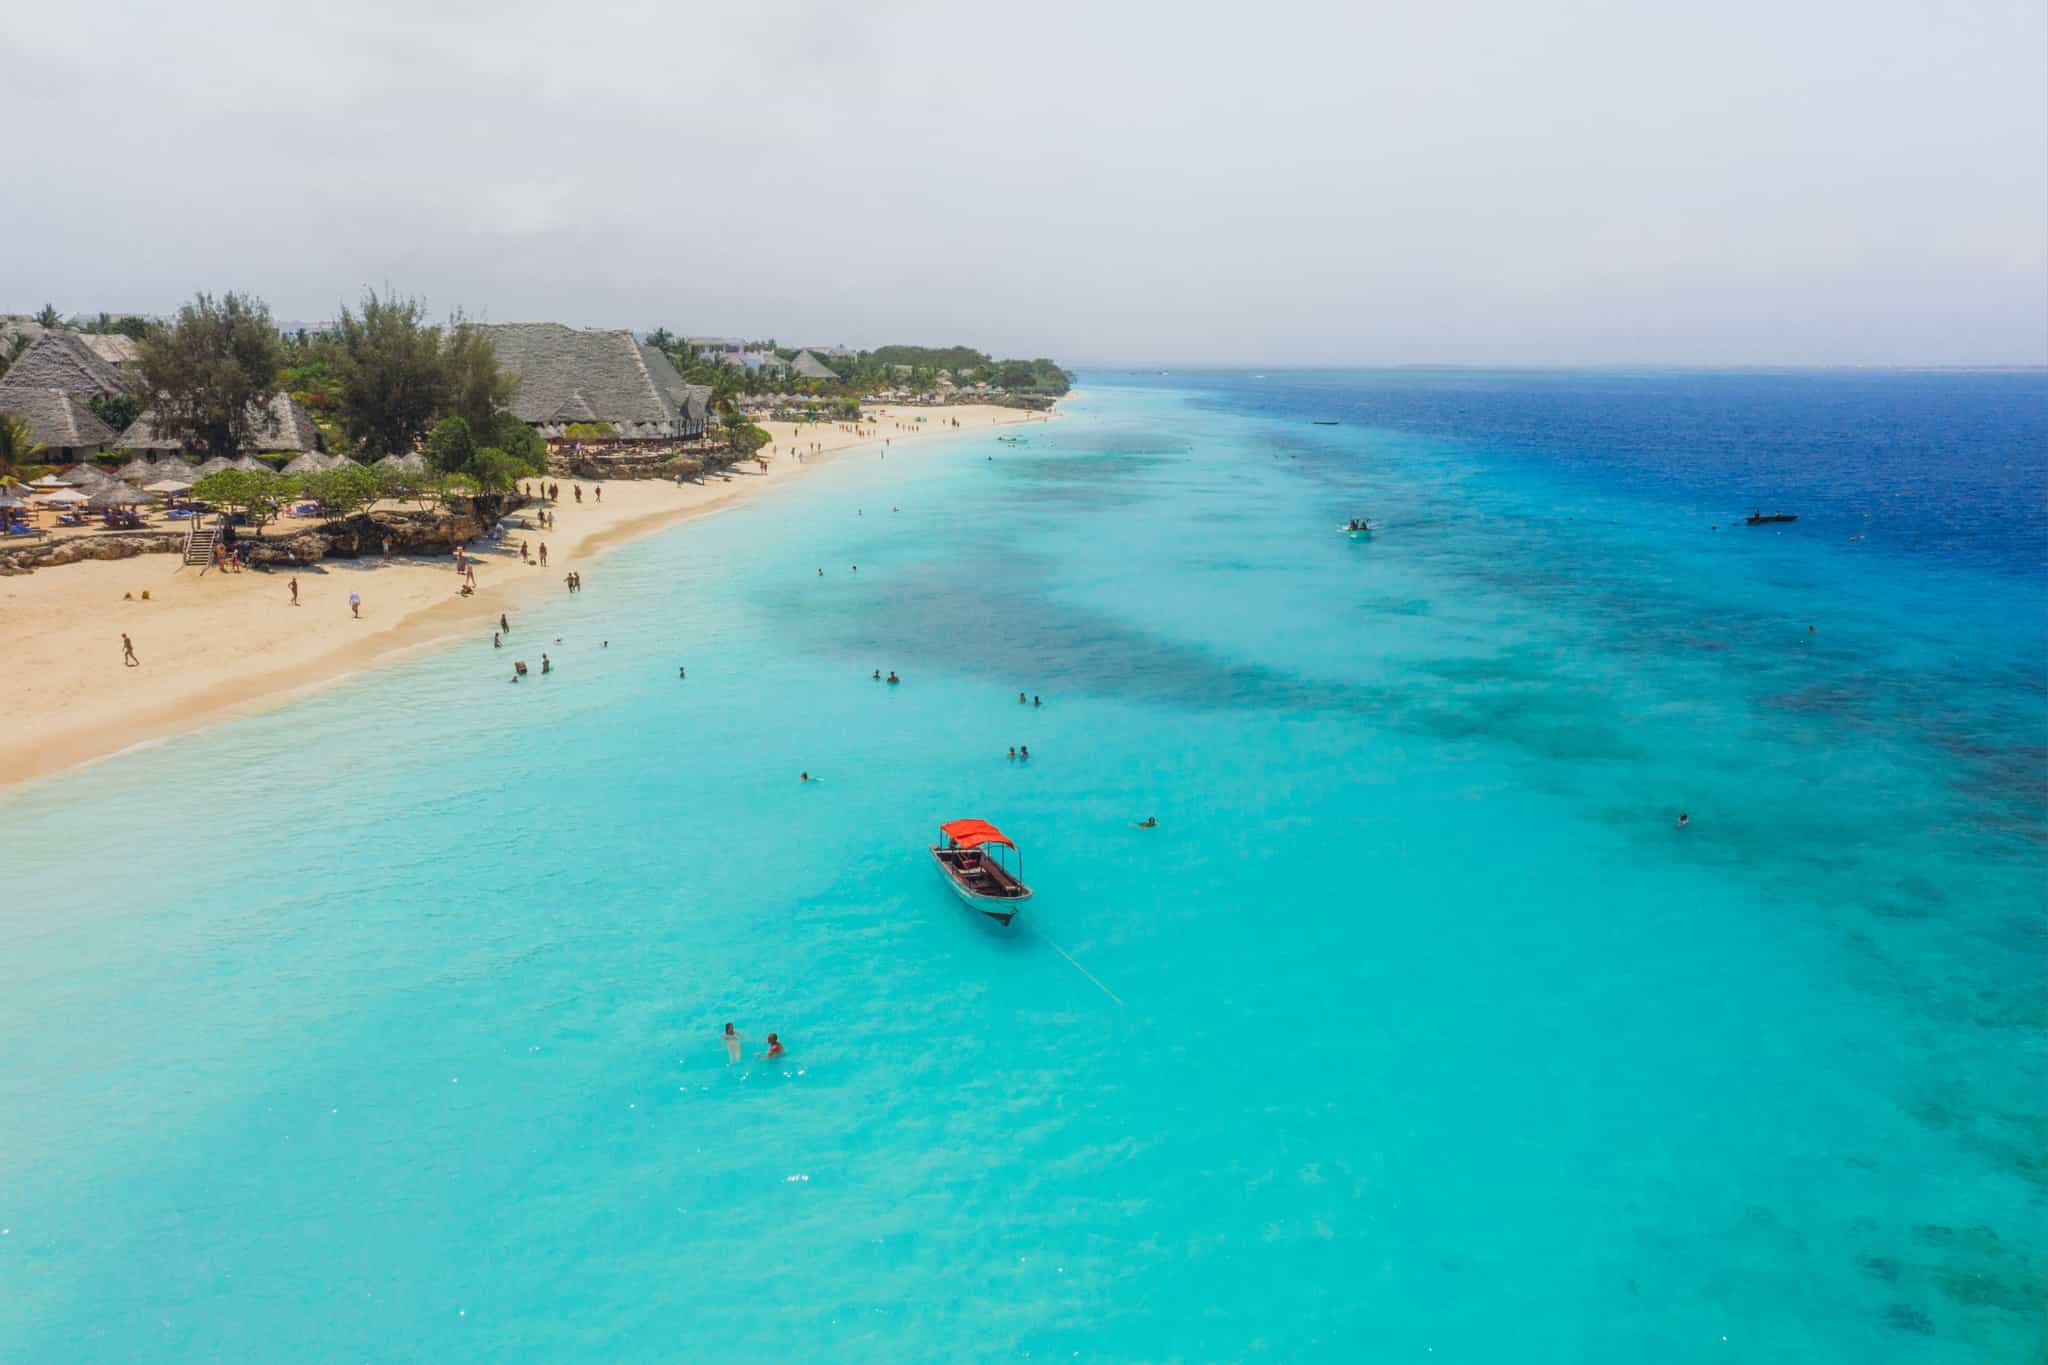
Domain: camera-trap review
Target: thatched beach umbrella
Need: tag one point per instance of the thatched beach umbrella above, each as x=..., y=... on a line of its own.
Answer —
x=250, y=463
x=309, y=463
x=213, y=466
x=51, y=481
x=168, y=486
x=86, y=477
x=136, y=470
x=412, y=462
x=117, y=494
x=65, y=497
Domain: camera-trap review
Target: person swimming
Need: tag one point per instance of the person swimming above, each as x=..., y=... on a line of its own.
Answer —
x=1020, y=699
x=1013, y=751
x=1683, y=819
x=774, y=1049
x=892, y=677
x=732, y=1044
x=1024, y=752
x=1035, y=701
x=878, y=675
x=1149, y=822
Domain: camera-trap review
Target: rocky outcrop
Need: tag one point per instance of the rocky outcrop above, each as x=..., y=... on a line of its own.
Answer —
x=626, y=462
x=20, y=558
x=434, y=532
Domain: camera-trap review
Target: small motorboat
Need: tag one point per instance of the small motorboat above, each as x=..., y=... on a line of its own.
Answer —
x=1357, y=526
x=1324, y=422
x=1759, y=519
x=969, y=853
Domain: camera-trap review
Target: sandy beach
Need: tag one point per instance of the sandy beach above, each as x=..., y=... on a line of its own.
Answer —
x=212, y=644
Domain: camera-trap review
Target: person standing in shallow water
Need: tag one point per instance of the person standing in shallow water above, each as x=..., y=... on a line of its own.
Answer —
x=732, y=1044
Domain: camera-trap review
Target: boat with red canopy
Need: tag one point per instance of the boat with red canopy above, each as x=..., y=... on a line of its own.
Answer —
x=970, y=853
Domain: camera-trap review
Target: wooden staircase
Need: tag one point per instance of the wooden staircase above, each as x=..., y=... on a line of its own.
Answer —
x=199, y=543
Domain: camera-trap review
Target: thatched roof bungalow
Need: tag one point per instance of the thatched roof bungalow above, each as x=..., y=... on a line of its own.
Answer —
x=571, y=374
x=283, y=426
x=51, y=388
x=808, y=366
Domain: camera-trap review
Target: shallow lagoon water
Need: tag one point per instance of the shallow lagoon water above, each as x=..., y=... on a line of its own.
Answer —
x=383, y=1026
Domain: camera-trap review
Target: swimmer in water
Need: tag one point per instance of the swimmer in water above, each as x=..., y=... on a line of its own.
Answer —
x=806, y=777
x=1024, y=752
x=878, y=675
x=774, y=1049
x=1035, y=701
x=1683, y=819
x=1013, y=751
x=892, y=677
x=732, y=1044
x=1020, y=699
x=1149, y=822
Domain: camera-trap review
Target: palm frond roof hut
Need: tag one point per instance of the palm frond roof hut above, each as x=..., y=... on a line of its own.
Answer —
x=808, y=366
x=571, y=374
x=115, y=493
x=57, y=420
x=281, y=425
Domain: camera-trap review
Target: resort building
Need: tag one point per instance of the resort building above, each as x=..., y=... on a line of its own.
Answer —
x=51, y=388
x=572, y=375
x=282, y=427
x=808, y=366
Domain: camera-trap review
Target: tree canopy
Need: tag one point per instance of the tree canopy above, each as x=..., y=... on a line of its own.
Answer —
x=211, y=371
x=388, y=361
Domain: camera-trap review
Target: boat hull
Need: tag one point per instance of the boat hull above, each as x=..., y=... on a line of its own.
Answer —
x=1001, y=909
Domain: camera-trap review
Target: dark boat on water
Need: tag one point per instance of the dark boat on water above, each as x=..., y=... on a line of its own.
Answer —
x=1759, y=519
x=969, y=855
x=1322, y=423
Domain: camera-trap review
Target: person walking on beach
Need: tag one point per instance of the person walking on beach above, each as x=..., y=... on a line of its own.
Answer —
x=469, y=577
x=578, y=488
x=294, y=586
x=355, y=606
x=598, y=493
x=128, y=652
x=543, y=554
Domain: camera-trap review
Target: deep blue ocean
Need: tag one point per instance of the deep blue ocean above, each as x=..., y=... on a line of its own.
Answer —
x=383, y=1026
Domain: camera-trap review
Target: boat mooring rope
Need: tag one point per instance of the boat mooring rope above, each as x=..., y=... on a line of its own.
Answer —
x=1085, y=972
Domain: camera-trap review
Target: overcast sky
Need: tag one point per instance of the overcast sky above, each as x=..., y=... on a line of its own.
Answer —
x=1506, y=181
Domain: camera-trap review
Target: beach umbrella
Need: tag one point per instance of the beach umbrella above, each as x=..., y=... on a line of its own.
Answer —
x=65, y=496
x=9, y=500
x=309, y=463
x=116, y=494
x=136, y=470
x=250, y=463
x=51, y=481
x=168, y=486
x=213, y=466
x=87, y=477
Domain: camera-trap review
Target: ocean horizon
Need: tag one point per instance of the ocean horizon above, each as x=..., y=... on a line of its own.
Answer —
x=384, y=1024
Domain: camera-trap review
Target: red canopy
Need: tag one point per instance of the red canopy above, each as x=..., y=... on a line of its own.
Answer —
x=974, y=833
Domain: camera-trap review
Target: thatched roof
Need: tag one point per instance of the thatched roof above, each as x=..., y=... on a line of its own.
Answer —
x=317, y=464
x=282, y=425
x=808, y=366
x=87, y=477
x=570, y=374
x=62, y=360
x=113, y=347
x=213, y=466
x=116, y=494
x=412, y=462
x=56, y=418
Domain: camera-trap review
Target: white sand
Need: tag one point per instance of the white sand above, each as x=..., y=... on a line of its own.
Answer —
x=213, y=643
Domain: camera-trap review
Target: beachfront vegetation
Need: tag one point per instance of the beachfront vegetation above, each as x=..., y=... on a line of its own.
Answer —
x=387, y=375
x=513, y=452
x=921, y=369
x=255, y=497
x=211, y=369
x=117, y=410
x=589, y=431
x=17, y=445
x=743, y=436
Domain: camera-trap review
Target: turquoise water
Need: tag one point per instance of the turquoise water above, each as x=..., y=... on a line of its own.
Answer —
x=383, y=1027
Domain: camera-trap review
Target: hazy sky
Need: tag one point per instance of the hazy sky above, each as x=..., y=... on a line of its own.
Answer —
x=1510, y=181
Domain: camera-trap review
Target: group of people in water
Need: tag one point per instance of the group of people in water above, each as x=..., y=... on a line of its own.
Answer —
x=734, y=1045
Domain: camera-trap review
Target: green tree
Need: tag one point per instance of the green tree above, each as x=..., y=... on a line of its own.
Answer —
x=117, y=410
x=388, y=366
x=343, y=492
x=257, y=496
x=17, y=443
x=474, y=388
x=423, y=489
x=743, y=436
x=211, y=370
x=450, y=446
x=521, y=442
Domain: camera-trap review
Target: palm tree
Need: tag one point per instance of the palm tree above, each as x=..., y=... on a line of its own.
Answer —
x=17, y=443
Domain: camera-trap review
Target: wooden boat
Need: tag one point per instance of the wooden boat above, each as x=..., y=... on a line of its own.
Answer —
x=1321, y=422
x=1759, y=519
x=969, y=854
x=1357, y=526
